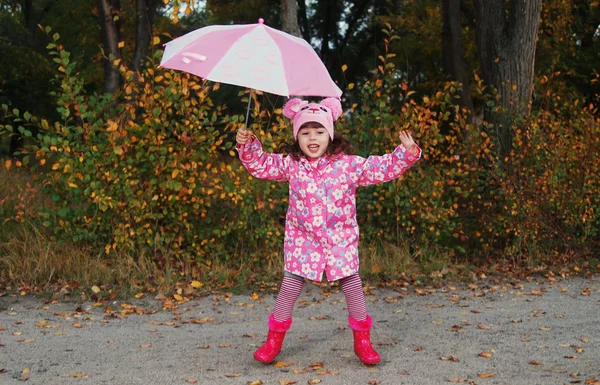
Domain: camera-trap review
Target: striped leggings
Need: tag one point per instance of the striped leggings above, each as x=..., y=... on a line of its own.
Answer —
x=291, y=288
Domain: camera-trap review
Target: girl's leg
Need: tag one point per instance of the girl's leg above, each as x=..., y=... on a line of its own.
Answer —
x=355, y=297
x=290, y=290
x=360, y=322
x=280, y=319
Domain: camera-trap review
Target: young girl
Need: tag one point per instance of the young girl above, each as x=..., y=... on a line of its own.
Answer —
x=321, y=231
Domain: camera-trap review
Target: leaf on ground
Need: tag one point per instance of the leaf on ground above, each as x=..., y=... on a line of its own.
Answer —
x=374, y=382
x=232, y=375
x=418, y=348
x=545, y=329
x=314, y=381
x=534, y=362
x=316, y=366
x=484, y=327
x=457, y=380
x=282, y=364
x=486, y=375
x=204, y=347
x=145, y=346
x=78, y=375
x=450, y=358
x=318, y=318
x=257, y=382
x=287, y=382
x=485, y=354
x=191, y=380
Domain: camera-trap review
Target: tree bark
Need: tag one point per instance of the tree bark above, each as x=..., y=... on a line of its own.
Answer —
x=453, y=51
x=110, y=40
x=304, y=19
x=145, y=11
x=289, y=17
x=506, y=41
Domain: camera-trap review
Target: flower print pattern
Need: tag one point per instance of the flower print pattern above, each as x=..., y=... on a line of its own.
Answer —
x=321, y=230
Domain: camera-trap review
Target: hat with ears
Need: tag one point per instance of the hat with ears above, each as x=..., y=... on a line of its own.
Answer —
x=324, y=113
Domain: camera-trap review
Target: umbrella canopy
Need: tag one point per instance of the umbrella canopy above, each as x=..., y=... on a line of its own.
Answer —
x=254, y=56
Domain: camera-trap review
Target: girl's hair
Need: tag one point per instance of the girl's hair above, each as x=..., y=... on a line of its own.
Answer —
x=336, y=146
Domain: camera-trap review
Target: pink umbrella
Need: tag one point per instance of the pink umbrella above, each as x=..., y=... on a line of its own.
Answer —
x=254, y=56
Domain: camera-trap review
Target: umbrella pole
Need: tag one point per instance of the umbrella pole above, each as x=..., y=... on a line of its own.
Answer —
x=248, y=110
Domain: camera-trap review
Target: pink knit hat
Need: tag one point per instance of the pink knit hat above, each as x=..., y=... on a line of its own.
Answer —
x=324, y=113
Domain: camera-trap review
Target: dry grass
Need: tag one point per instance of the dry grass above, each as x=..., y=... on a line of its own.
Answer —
x=395, y=261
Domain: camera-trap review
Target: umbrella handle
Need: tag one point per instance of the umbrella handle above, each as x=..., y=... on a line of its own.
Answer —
x=248, y=110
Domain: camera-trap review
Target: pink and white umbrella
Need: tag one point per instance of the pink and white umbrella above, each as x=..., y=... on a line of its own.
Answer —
x=254, y=56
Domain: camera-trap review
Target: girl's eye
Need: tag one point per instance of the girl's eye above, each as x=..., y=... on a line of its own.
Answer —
x=320, y=132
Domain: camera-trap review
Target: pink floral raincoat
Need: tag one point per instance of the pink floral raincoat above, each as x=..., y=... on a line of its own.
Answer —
x=321, y=231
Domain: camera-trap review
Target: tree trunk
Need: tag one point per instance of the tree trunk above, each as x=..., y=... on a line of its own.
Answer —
x=304, y=18
x=289, y=17
x=453, y=51
x=110, y=40
x=145, y=10
x=506, y=40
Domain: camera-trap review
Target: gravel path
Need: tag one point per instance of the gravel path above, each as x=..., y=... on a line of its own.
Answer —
x=538, y=332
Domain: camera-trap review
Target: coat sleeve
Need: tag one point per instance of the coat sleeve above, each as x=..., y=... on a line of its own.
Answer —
x=262, y=165
x=384, y=168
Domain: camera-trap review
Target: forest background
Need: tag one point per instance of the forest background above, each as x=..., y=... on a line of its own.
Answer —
x=120, y=177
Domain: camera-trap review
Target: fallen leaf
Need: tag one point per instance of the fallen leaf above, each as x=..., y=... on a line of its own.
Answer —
x=96, y=289
x=298, y=371
x=224, y=345
x=485, y=354
x=486, y=375
x=78, y=375
x=457, y=380
x=232, y=375
x=450, y=358
x=145, y=346
x=287, y=382
x=314, y=381
x=545, y=329
x=77, y=325
x=191, y=380
x=483, y=327
x=29, y=340
x=204, y=347
x=257, y=382
x=374, y=382
x=583, y=339
x=282, y=364
x=418, y=349
x=197, y=284
x=534, y=362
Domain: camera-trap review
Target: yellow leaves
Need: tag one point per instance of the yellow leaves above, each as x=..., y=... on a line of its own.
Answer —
x=96, y=289
x=174, y=174
x=196, y=284
x=121, y=44
x=156, y=40
x=486, y=375
x=72, y=185
x=118, y=150
x=281, y=364
x=8, y=164
x=78, y=375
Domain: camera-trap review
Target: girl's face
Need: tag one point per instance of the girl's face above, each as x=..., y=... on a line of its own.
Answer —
x=313, y=141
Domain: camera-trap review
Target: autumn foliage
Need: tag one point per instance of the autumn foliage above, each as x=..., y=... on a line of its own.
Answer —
x=152, y=171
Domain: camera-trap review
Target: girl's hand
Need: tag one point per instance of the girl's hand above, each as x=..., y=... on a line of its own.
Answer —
x=409, y=143
x=243, y=136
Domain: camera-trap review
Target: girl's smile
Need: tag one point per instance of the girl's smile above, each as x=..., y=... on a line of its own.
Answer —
x=313, y=141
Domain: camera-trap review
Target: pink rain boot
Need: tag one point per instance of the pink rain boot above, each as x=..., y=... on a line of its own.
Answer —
x=270, y=349
x=362, y=340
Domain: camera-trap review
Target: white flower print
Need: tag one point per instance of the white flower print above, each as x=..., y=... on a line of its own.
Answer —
x=312, y=187
x=299, y=241
x=315, y=257
x=317, y=221
x=337, y=194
